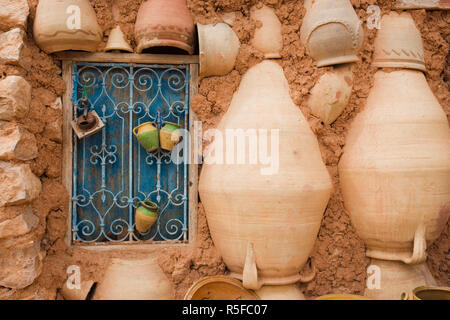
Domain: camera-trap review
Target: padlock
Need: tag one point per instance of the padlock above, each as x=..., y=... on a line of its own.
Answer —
x=88, y=123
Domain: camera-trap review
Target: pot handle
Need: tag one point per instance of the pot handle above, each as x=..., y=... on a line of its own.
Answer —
x=312, y=274
x=250, y=273
x=419, y=254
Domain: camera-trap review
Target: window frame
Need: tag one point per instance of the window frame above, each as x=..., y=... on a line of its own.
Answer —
x=67, y=59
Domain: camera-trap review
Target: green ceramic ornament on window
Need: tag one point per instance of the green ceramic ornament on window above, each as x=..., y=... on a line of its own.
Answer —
x=169, y=136
x=146, y=215
x=147, y=135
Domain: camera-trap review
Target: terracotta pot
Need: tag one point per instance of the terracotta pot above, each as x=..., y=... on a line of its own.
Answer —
x=264, y=222
x=77, y=294
x=398, y=43
x=168, y=136
x=116, y=41
x=164, y=23
x=134, y=280
x=338, y=296
x=331, y=94
x=332, y=32
x=428, y=293
x=219, y=47
x=288, y=292
x=267, y=38
x=219, y=288
x=66, y=25
x=395, y=170
x=146, y=215
x=396, y=278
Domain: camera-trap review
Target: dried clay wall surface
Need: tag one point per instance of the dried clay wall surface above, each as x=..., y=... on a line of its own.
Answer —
x=338, y=253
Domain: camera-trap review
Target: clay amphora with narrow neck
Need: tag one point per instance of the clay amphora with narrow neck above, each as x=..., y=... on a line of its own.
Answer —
x=264, y=216
x=395, y=170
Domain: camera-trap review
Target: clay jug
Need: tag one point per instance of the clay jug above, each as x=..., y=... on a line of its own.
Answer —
x=147, y=135
x=168, y=135
x=66, y=25
x=398, y=43
x=219, y=288
x=164, y=23
x=331, y=94
x=331, y=32
x=219, y=47
x=395, y=170
x=134, y=280
x=267, y=37
x=392, y=278
x=146, y=215
x=264, y=215
x=116, y=41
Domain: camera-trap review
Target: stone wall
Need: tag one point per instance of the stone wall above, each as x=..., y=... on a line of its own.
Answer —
x=20, y=257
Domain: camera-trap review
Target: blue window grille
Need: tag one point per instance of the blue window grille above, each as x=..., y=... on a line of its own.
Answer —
x=112, y=172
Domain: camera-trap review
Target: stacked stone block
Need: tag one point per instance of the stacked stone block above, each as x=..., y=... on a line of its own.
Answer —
x=20, y=253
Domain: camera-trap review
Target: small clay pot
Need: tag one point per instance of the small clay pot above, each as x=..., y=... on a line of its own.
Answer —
x=219, y=288
x=116, y=41
x=219, y=47
x=331, y=32
x=267, y=38
x=66, y=25
x=428, y=293
x=147, y=135
x=146, y=215
x=342, y=297
x=168, y=136
x=163, y=23
x=398, y=43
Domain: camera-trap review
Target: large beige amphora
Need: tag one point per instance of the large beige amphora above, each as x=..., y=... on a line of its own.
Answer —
x=395, y=170
x=265, y=221
x=66, y=25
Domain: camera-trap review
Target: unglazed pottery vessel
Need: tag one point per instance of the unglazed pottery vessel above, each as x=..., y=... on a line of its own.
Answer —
x=340, y=296
x=395, y=278
x=398, y=43
x=134, y=280
x=331, y=94
x=219, y=47
x=116, y=41
x=395, y=170
x=331, y=32
x=77, y=294
x=219, y=288
x=264, y=217
x=287, y=292
x=267, y=37
x=164, y=23
x=66, y=25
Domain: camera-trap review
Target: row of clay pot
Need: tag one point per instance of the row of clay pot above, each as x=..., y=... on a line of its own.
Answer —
x=72, y=25
x=143, y=279
x=394, y=174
